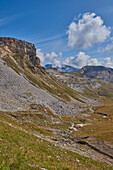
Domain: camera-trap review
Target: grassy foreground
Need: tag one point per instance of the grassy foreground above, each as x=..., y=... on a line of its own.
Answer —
x=19, y=150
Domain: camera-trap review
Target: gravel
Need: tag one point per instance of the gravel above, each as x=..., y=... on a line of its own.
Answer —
x=17, y=93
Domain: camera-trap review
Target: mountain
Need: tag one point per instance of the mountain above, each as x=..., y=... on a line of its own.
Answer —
x=90, y=81
x=25, y=82
x=51, y=120
x=97, y=72
x=63, y=68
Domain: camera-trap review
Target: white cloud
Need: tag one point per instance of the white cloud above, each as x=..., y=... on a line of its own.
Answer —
x=49, y=57
x=94, y=61
x=56, y=63
x=53, y=58
x=40, y=54
x=88, y=31
x=107, y=62
x=109, y=48
x=81, y=59
x=78, y=61
x=60, y=54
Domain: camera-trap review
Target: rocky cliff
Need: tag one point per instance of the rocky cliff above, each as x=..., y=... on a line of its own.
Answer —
x=14, y=46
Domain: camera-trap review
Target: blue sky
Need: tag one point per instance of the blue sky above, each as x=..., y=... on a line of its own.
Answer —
x=73, y=32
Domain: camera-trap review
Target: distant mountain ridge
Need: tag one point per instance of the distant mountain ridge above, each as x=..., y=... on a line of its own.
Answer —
x=63, y=68
x=91, y=72
x=96, y=72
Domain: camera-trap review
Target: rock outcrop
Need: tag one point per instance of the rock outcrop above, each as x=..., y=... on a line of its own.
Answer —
x=14, y=46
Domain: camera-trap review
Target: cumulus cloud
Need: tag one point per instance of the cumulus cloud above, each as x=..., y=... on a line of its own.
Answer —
x=56, y=63
x=40, y=54
x=49, y=57
x=53, y=58
x=81, y=59
x=94, y=61
x=90, y=29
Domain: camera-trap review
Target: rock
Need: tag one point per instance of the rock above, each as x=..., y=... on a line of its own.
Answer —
x=17, y=46
x=82, y=125
x=13, y=46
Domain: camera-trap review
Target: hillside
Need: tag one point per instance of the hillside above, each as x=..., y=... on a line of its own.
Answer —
x=46, y=124
x=25, y=82
x=97, y=72
x=91, y=81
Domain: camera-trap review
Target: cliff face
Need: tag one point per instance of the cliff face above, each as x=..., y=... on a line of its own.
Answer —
x=14, y=46
x=17, y=46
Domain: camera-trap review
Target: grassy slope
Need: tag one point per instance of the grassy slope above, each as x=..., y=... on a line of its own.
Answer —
x=100, y=127
x=20, y=150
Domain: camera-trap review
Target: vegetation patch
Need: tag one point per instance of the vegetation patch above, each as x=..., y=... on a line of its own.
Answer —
x=11, y=64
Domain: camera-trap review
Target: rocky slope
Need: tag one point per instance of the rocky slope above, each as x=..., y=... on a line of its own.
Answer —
x=24, y=82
